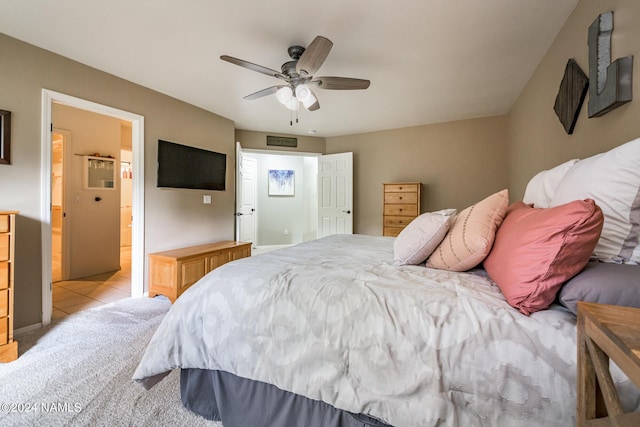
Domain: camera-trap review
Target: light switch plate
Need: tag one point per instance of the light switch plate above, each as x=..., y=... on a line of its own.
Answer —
x=206, y=199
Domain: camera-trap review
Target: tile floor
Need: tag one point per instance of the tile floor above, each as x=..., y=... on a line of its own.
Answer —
x=71, y=296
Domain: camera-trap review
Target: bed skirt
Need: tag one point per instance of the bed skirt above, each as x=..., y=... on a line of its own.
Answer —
x=239, y=402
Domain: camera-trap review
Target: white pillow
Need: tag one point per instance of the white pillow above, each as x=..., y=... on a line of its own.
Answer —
x=421, y=237
x=612, y=179
x=542, y=187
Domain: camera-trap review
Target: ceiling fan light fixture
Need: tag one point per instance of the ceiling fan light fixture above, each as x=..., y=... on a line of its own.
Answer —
x=309, y=101
x=303, y=93
x=293, y=104
x=299, y=76
x=284, y=95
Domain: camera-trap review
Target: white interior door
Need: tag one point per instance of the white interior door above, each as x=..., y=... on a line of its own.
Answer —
x=335, y=194
x=246, y=197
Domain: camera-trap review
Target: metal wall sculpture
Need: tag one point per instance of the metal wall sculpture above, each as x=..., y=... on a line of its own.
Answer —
x=609, y=82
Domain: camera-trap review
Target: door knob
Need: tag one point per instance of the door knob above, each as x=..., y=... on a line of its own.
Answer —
x=347, y=212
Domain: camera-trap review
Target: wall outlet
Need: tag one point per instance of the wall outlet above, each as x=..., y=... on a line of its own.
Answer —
x=206, y=199
x=286, y=232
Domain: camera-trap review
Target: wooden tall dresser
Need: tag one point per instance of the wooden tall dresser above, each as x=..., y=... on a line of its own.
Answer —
x=8, y=347
x=401, y=206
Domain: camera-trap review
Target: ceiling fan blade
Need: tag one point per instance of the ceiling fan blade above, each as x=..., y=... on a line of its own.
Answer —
x=340, y=83
x=264, y=92
x=254, y=67
x=314, y=56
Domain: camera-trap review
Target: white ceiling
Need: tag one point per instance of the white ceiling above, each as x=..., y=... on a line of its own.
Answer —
x=428, y=61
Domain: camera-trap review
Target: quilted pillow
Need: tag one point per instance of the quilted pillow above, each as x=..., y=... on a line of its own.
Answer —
x=612, y=179
x=604, y=283
x=417, y=240
x=537, y=250
x=471, y=235
x=542, y=187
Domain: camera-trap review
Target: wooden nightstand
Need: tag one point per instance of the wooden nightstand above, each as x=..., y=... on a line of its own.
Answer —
x=606, y=331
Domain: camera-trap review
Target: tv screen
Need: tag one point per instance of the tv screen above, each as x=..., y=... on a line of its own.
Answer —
x=181, y=166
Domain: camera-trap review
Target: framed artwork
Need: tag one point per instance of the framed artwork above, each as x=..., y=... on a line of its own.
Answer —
x=5, y=137
x=281, y=182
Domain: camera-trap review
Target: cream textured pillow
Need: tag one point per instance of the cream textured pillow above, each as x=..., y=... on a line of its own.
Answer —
x=612, y=179
x=472, y=234
x=417, y=240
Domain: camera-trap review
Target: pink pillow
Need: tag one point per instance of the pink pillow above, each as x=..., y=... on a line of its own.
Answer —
x=471, y=236
x=536, y=250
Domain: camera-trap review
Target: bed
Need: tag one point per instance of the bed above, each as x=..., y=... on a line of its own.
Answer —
x=354, y=330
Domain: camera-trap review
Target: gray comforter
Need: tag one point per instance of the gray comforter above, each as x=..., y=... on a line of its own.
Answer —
x=335, y=320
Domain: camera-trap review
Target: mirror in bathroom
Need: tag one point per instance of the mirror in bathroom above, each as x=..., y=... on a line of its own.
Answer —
x=99, y=172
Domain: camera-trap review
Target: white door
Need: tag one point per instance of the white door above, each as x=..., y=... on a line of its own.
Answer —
x=335, y=194
x=246, y=168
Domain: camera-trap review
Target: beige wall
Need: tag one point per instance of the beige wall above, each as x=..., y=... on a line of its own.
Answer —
x=173, y=218
x=537, y=139
x=458, y=164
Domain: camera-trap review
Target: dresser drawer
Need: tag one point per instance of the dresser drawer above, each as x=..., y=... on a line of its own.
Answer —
x=401, y=198
x=4, y=223
x=4, y=330
x=4, y=303
x=4, y=247
x=4, y=275
x=401, y=210
x=397, y=221
x=401, y=188
x=392, y=231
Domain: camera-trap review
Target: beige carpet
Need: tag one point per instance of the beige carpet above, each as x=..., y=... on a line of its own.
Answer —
x=77, y=372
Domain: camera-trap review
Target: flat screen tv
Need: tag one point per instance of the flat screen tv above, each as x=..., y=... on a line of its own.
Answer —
x=181, y=166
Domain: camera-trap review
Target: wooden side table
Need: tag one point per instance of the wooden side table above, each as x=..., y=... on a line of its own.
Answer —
x=606, y=332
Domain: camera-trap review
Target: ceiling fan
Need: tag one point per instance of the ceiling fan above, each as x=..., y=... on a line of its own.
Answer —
x=298, y=75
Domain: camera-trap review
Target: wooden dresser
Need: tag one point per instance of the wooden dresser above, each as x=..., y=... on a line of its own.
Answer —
x=401, y=206
x=172, y=272
x=8, y=347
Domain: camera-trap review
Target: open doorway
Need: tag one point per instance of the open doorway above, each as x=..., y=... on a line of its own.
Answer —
x=90, y=219
x=49, y=98
x=318, y=203
x=267, y=219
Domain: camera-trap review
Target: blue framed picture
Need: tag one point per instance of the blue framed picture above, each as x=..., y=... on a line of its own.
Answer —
x=281, y=182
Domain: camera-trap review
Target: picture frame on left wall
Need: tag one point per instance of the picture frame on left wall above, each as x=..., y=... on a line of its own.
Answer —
x=5, y=137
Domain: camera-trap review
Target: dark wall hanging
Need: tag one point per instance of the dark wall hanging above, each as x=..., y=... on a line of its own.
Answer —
x=282, y=141
x=609, y=83
x=571, y=94
x=5, y=137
